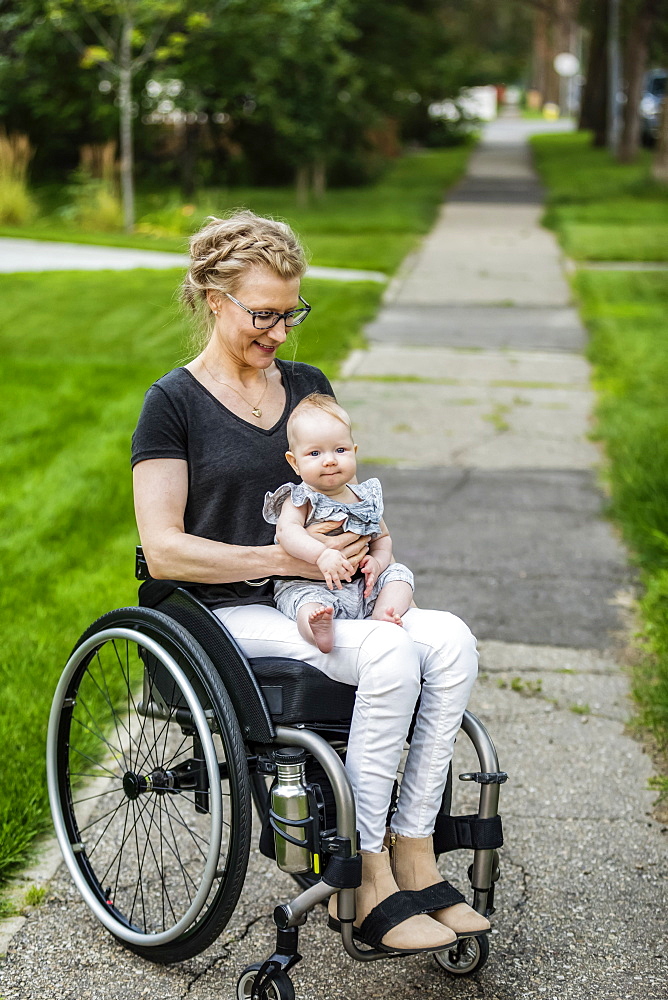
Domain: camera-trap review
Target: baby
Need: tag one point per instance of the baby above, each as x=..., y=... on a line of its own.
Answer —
x=322, y=453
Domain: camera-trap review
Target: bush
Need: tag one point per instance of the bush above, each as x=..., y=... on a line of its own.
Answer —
x=16, y=205
x=94, y=204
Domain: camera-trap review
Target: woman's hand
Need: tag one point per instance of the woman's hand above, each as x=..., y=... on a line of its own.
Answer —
x=352, y=546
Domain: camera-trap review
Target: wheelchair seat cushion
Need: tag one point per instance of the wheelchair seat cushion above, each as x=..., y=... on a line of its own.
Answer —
x=298, y=692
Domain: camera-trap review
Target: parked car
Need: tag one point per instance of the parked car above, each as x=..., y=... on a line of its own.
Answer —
x=653, y=95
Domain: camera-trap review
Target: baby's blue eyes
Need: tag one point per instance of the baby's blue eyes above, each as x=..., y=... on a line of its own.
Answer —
x=339, y=451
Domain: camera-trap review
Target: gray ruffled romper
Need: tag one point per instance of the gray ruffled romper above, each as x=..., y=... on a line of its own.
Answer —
x=364, y=519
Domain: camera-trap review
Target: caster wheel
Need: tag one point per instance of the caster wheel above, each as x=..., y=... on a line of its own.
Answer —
x=468, y=955
x=280, y=988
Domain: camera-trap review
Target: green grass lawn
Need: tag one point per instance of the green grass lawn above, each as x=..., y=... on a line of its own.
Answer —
x=371, y=227
x=79, y=350
x=626, y=316
x=602, y=210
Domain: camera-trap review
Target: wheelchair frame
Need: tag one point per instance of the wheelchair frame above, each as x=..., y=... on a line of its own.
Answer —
x=195, y=634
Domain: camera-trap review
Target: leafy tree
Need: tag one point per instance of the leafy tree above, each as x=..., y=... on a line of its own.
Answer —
x=267, y=89
x=127, y=34
x=45, y=92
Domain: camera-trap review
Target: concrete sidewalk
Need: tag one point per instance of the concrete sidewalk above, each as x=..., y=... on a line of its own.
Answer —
x=473, y=406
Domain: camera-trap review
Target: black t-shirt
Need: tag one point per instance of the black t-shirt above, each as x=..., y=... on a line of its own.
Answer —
x=231, y=463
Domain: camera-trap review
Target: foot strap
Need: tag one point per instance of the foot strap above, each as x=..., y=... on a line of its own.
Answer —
x=404, y=904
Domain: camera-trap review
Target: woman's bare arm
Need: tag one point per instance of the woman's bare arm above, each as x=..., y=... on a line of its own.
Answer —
x=161, y=492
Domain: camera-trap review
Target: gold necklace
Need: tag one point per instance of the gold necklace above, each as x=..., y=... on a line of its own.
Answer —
x=255, y=410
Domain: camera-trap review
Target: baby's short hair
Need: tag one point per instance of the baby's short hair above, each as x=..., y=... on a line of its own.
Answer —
x=317, y=401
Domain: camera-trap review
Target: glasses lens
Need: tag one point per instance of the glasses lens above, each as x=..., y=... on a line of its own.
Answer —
x=265, y=320
x=296, y=317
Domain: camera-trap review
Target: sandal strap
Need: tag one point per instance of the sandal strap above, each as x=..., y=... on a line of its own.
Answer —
x=404, y=904
x=439, y=897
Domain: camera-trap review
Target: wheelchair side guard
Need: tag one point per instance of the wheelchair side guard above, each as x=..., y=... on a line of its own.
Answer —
x=241, y=684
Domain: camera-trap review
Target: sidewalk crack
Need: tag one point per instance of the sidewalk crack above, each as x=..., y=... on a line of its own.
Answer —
x=521, y=903
x=227, y=952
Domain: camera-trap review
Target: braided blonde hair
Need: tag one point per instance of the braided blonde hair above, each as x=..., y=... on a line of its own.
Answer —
x=223, y=250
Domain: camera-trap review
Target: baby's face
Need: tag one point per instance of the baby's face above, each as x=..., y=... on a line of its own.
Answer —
x=323, y=452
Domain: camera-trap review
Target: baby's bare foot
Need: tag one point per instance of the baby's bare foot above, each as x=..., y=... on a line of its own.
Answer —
x=387, y=615
x=321, y=623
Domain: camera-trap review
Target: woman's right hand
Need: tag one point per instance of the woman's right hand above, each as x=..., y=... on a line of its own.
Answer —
x=352, y=546
x=335, y=568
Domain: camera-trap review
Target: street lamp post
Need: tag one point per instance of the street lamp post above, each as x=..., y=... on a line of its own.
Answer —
x=566, y=66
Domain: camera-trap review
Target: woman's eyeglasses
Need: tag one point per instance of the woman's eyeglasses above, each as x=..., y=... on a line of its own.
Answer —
x=265, y=319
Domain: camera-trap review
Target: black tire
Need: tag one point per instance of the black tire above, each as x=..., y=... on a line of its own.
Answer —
x=280, y=988
x=156, y=842
x=467, y=955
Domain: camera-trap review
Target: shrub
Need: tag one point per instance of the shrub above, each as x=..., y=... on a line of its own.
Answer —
x=16, y=205
x=94, y=204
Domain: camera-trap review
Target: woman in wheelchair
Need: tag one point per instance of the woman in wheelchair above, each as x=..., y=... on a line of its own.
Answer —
x=210, y=442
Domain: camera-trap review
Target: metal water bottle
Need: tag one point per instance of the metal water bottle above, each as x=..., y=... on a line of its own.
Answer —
x=289, y=801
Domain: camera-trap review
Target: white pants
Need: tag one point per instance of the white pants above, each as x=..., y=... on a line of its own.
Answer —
x=434, y=653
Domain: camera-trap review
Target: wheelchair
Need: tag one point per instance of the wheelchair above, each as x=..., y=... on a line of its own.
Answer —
x=161, y=736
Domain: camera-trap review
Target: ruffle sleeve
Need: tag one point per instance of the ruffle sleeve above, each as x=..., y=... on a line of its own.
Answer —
x=273, y=502
x=363, y=517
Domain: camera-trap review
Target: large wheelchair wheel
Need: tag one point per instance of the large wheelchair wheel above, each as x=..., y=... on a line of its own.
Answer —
x=148, y=784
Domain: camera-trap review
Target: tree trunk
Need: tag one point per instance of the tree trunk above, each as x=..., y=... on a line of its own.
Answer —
x=635, y=62
x=189, y=147
x=301, y=185
x=319, y=178
x=660, y=161
x=539, y=57
x=125, y=102
x=594, y=109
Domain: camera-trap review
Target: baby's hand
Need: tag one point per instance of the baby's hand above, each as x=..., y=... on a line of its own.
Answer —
x=371, y=569
x=335, y=568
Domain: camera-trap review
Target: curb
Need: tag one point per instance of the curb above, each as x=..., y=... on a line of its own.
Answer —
x=39, y=876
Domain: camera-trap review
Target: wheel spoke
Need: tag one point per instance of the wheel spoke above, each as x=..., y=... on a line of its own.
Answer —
x=118, y=855
x=177, y=854
x=90, y=853
x=181, y=822
x=81, y=701
x=106, y=695
x=147, y=840
x=125, y=837
x=161, y=734
x=94, y=762
x=98, y=819
x=114, y=749
x=139, y=888
x=98, y=795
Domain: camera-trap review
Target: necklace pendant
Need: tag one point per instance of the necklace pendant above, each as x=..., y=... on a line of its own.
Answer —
x=257, y=412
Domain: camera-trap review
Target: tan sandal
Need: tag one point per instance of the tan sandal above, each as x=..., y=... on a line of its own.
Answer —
x=414, y=868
